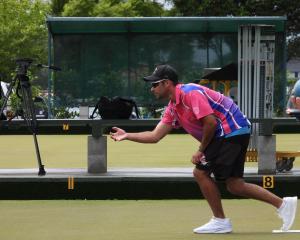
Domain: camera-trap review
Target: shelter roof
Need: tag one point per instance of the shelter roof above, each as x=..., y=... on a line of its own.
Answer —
x=81, y=25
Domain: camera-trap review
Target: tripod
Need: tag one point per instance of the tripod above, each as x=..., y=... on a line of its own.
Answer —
x=23, y=91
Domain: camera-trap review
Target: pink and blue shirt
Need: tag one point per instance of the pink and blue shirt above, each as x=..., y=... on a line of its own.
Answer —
x=193, y=102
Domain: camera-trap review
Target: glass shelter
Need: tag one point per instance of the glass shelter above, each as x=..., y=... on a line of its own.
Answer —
x=109, y=56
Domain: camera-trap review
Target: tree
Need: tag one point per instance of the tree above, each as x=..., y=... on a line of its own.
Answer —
x=294, y=47
x=184, y=8
x=221, y=8
x=113, y=8
x=23, y=32
x=206, y=8
x=57, y=6
x=79, y=8
x=145, y=8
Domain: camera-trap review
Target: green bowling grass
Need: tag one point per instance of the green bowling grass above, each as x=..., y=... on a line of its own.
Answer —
x=129, y=220
x=126, y=219
x=70, y=151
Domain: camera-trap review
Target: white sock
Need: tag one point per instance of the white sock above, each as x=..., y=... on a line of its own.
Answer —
x=220, y=219
x=282, y=206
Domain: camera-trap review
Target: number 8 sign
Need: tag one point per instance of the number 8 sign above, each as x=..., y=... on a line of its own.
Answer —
x=268, y=181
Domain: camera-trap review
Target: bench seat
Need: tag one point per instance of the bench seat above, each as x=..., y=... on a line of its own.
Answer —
x=284, y=159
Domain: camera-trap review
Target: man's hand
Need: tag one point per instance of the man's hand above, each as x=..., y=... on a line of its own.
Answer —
x=118, y=134
x=198, y=157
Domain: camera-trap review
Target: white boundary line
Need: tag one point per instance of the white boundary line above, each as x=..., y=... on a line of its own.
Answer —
x=288, y=231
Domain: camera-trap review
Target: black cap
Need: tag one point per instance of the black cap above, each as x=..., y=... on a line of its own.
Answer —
x=162, y=72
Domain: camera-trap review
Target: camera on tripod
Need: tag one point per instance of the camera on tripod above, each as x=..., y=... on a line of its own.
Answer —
x=23, y=65
x=23, y=90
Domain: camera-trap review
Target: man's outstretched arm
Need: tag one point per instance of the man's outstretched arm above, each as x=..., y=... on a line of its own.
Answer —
x=154, y=136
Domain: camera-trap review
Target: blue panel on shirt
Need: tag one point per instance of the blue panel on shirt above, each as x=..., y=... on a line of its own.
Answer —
x=241, y=131
x=189, y=87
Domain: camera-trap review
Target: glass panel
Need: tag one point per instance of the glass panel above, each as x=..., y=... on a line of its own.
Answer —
x=93, y=66
x=96, y=65
x=185, y=52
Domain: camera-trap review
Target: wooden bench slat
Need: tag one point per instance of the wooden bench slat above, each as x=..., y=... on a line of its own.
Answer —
x=251, y=155
x=280, y=154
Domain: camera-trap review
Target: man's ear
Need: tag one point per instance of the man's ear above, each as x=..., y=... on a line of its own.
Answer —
x=168, y=82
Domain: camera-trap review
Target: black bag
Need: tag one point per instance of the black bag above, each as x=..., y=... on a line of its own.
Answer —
x=115, y=108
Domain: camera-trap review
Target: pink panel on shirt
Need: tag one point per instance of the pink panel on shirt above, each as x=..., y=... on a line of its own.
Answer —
x=189, y=110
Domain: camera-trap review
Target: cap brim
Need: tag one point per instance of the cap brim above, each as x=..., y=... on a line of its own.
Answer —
x=151, y=78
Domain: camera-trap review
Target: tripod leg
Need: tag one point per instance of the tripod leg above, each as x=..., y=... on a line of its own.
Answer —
x=29, y=115
x=42, y=171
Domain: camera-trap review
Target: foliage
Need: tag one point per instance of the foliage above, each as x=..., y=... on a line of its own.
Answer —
x=221, y=8
x=64, y=113
x=57, y=6
x=112, y=8
x=15, y=102
x=79, y=8
x=293, y=47
x=130, y=8
x=206, y=8
x=23, y=32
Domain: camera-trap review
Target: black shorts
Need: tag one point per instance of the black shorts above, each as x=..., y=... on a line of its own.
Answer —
x=225, y=157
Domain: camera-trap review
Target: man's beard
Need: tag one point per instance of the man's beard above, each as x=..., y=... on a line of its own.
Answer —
x=160, y=97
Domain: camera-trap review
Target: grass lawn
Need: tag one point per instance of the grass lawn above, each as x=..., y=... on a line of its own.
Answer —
x=70, y=151
x=128, y=220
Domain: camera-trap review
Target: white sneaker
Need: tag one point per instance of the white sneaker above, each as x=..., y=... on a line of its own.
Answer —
x=287, y=212
x=215, y=225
